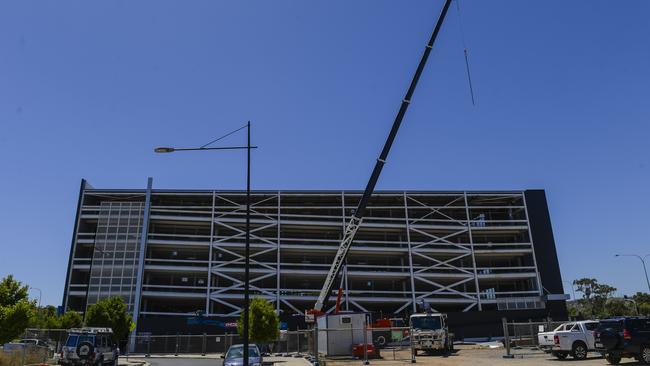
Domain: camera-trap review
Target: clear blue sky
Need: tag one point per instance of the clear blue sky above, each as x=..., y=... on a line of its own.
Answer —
x=87, y=89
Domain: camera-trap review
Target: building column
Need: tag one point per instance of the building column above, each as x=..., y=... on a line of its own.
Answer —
x=209, y=284
x=408, y=240
x=471, y=243
x=141, y=260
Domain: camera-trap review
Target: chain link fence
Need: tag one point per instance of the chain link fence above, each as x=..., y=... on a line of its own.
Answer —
x=35, y=346
x=389, y=343
x=521, y=338
x=289, y=343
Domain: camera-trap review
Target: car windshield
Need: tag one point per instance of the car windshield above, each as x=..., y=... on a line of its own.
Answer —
x=238, y=352
x=429, y=322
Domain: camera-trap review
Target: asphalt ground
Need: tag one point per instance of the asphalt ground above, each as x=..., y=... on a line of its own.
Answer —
x=184, y=361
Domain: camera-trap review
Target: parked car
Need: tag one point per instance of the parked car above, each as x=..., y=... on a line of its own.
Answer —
x=27, y=343
x=89, y=346
x=573, y=338
x=624, y=337
x=235, y=356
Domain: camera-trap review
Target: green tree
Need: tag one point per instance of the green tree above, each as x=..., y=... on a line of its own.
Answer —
x=643, y=302
x=619, y=307
x=44, y=318
x=15, y=309
x=264, y=323
x=111, y=312
x=12, y=291
x=594, y=296
x=644, y=309
x=48, y=318
x=70, y=319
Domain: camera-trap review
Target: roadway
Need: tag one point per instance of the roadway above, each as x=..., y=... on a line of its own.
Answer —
x=180, y=361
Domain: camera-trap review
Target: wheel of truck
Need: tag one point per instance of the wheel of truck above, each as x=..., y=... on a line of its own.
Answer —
x=579, y=351
x=560, y=355
x=613, y=358
x=380, y=341
x=644, y=356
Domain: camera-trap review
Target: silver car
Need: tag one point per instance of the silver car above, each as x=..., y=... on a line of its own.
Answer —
x=235, y=356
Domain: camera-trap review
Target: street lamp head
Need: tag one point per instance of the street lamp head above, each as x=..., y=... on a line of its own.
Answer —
x=164, y=149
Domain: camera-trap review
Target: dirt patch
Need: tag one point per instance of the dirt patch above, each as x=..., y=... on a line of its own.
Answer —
x=473, y=356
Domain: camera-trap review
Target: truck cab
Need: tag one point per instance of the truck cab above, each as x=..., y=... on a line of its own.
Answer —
x=429, y=333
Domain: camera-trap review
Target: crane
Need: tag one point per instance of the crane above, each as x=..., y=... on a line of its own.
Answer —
x=357, y=217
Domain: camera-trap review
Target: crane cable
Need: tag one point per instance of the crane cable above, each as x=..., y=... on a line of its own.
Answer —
x=465, y=52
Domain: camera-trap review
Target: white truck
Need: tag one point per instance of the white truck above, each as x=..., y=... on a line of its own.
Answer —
x=573, y=338
x=429, y=333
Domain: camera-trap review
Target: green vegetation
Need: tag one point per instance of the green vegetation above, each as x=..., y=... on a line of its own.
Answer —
x=47, y=318
x=15, y=309
x=111, y=312
x=18, y=313
x=598, y=302
x=264, y=324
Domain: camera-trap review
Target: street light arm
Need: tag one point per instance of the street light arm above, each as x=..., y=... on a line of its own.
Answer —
x=162, y=150
x=642, y=259
x=630, y=255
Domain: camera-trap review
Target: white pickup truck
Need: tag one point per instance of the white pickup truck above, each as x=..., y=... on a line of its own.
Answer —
x=573, y=338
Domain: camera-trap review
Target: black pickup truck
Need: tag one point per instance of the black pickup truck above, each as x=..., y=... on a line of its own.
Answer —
x=624, y=337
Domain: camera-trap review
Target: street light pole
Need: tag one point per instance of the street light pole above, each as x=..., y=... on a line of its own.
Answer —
x=247, y=247
x=642, y=259
x=248, y=148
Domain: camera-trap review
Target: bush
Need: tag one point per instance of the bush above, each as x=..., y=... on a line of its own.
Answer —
x=264, y=325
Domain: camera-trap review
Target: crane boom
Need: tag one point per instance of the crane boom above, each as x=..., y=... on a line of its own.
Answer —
x=357, y=216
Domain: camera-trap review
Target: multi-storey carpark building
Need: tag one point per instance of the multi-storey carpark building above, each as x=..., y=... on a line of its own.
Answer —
x=476, y=255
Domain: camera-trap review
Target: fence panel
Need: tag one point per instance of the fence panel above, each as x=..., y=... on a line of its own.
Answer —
x=521, y=338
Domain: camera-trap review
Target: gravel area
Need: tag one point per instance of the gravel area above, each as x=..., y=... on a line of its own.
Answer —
x=473, y=356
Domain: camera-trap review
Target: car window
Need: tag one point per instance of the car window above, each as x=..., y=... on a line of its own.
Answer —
x=238, y=352
x=639, y=324
x=72, y=340
x=575, y=328
x=562, y=327
x=84, y=338
x=642, y=324
x=614, y=324
x=591, y=326
x=253, y=352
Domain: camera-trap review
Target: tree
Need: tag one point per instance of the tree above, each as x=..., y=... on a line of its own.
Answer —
x=643, y=302
x=111, y=312
x=15, y=309
x=45, y=318
x=12, y=291
x=264, y=325
x=594, y=296
x=48, y=318
x=619, y=307
x=70, y=319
